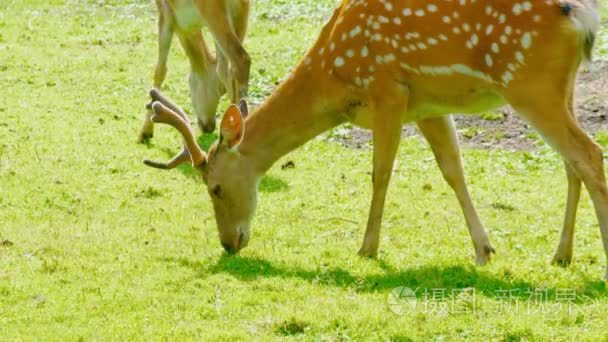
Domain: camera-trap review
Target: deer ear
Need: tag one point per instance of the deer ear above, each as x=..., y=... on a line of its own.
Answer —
x=232, y=127
x=243, y=108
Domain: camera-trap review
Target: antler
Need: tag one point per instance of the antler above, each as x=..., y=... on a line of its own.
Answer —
x=156, y=95
x=168, y=113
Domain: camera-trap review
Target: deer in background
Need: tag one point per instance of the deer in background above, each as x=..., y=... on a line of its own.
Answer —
x=210, y=76
x=382, y=63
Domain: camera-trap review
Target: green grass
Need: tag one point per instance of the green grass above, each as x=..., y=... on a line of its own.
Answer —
x=95, y=246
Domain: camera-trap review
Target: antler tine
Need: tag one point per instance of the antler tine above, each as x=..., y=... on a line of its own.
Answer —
x=156, y=95
x=191, y=151
x=182, y=157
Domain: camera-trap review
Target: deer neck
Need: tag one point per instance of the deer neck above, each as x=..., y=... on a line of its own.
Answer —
x=308, y=103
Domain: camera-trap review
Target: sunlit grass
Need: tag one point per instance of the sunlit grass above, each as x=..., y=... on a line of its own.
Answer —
x=94, y=245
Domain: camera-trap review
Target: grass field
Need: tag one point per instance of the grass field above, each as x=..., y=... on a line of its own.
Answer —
x=95, y=246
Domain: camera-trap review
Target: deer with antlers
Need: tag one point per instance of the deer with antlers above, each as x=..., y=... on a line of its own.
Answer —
x=210, y=76
x=382, y=63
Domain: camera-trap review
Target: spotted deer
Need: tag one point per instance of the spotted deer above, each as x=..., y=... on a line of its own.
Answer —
x=210, y=76
x=382, y=63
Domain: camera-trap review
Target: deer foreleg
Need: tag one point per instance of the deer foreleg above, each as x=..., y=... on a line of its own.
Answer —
x=387, y=113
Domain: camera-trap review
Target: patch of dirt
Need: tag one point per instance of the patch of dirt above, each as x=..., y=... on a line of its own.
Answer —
x=504, y=129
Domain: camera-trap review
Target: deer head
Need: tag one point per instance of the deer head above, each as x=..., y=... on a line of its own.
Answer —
x=234, y=198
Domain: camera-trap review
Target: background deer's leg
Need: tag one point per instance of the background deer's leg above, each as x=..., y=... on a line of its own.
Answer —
x=441, y=135
x=387, y=112
x=222, y=72
x=229, y=43
x=551, y=116
x=165, y=37
x=239, y=20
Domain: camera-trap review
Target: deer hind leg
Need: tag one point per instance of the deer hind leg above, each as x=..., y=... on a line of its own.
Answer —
x=551, y=116
x=386, y=114
x=563, y=254
x=165, y=37
x=223, y=74
x=239, y=19
x=218, y=20
x=441, y=135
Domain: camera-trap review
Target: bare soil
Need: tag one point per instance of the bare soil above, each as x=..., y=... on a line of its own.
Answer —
x=504, y=129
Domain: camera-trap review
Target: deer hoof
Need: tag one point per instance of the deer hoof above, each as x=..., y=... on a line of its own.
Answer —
x=144, y=137
x=562, y=260
x=368, y=253
x=485, y=255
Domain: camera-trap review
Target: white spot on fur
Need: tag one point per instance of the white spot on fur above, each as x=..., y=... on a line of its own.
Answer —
x=474, y=39
x=517, y=9
x=364, y=51
x=507, y=77
x=489, y=60
x=526, y=40
x=339, y=62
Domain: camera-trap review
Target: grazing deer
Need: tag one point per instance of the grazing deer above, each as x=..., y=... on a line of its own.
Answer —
x=210, y=76
x=382, y=63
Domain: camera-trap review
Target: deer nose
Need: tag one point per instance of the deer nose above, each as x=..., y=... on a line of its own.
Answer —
x=232, y=246
x=234, y=243
x=207, y=126
x=230, y=249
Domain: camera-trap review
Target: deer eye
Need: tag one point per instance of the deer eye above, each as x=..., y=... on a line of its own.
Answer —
x=217, y=191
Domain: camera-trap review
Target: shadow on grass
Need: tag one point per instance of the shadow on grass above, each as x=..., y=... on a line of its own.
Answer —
x=206, y=140
x=429, y=277
x=272, y=184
